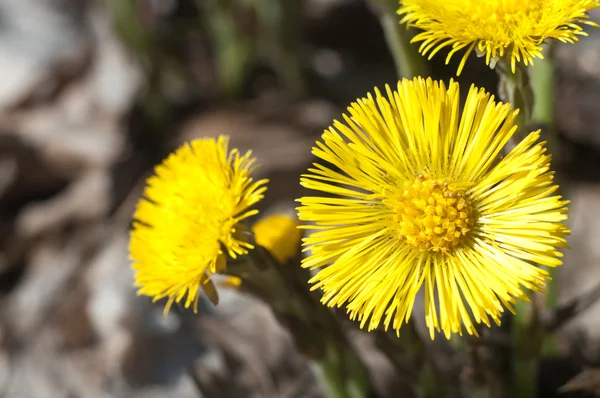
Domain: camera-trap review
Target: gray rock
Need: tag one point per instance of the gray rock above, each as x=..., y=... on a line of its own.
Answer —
x=37, y=39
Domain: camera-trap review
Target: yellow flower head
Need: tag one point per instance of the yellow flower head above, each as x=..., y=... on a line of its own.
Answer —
x=415, y=194
x=190, y=218
x=512, y=28
x=279, y=234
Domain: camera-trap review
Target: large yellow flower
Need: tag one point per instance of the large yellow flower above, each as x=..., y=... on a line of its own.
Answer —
x=515, y=28
x=190, y=218
x=415, y=194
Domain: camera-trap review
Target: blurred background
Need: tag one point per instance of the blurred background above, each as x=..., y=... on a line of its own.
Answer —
x=94, y=93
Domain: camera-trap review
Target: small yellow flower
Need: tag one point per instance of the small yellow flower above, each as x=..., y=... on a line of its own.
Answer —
x=414, y=193
x=515, y=28
x=190, y=218
x=279, y=234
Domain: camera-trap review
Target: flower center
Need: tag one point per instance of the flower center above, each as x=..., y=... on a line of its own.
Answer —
x=432, y=215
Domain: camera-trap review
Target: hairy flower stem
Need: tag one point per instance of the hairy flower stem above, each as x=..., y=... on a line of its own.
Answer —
x=314, y=328
x=542, y=84
x=409, y=63
x=515, y=88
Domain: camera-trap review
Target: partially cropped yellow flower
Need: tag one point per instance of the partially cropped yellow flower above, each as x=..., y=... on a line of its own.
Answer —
x=497, y=28
x=279, y=234
x=190, y=218
x=412, y=192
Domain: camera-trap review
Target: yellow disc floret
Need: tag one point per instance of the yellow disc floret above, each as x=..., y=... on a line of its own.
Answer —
x=432, y=215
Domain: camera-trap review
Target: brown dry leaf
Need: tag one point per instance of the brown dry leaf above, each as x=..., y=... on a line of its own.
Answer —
x=588, y=380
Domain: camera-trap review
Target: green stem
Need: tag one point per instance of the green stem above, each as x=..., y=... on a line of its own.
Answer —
x=549, y=344
x=542, y=83
x=515, y=89
x=429, y=383
x=484, y=359
x=527, y=334
x=232, y=48
x=280, y=26
x=145, y=45
x=315, y=329
x=525, y=373
x=334, y=369
x=409, y=63
x=417, y=364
